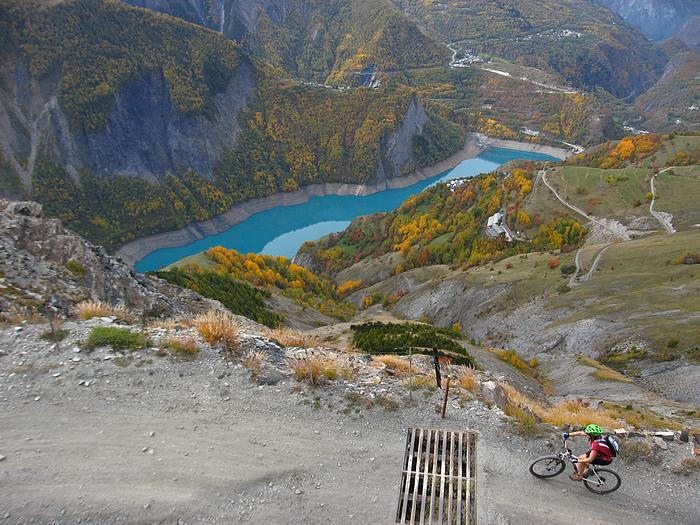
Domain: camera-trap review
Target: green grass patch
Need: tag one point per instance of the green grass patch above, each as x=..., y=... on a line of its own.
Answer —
x=76, y=268
x=117, y=338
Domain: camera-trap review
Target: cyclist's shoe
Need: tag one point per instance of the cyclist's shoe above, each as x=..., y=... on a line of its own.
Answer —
x=587, y=473
x=576, y=477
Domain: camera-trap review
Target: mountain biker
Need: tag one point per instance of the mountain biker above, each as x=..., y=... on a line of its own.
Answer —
x=600, y=453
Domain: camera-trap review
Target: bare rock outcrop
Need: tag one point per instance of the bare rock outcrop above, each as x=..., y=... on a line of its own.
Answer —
x=40, y=260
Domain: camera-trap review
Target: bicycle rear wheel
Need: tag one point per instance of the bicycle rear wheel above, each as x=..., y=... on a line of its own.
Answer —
x=547, y=467
x=604, y=481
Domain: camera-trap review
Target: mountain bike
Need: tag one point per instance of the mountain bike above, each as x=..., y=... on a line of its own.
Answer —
x=599, y=480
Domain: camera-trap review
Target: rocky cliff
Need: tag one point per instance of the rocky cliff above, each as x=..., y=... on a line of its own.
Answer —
x=43, y=263
x=657, y=19
x=145, y=135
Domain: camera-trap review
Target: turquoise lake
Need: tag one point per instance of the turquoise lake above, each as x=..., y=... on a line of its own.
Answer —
x=282, y=230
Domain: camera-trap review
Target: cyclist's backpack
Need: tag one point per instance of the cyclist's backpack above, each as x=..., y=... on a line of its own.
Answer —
x=613, y=443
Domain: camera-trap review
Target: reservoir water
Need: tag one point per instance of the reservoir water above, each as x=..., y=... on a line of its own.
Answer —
x=282, y=230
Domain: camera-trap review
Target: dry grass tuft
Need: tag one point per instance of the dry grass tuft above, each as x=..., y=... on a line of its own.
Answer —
x=422, y=381
x=467, y=379
x=323, y=368
x=292, y=339
x=602, y=372
x=219, y=326
x=89, y=309
x=168, y=324
x=396, y=363
x=564, y=413
x=255, y=361
x=185, y=347
x=525, y=421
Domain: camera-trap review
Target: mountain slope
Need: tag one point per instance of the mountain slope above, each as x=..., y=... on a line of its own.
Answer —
x=657, y=19
x=320, y=40
x=122, y=132
x=582, y=42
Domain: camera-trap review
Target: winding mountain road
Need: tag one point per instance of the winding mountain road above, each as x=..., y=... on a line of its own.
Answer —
x=578, y=210
x=665, y=222
x=575, y=279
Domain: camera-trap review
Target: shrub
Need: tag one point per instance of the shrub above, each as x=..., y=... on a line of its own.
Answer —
x=568, y=269
x=117, y=338
x=76, y=268
x=672, y=343
x=186, y=347
x=291, y=338
x=421, y=381
x=322, y=368
x=89, y=309
x=563, y=288
x=688, y=258
x=349, y=287
x=553, y=263
x=633, y=451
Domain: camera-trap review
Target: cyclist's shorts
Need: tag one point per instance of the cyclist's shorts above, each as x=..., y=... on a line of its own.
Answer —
x=599, y=461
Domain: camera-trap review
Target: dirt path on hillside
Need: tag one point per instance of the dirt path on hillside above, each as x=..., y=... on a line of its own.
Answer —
x=580, y=211
x=659, y=216
x=194, y=442
x=575, y=279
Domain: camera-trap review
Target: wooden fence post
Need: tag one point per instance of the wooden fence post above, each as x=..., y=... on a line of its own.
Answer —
x=436, y=359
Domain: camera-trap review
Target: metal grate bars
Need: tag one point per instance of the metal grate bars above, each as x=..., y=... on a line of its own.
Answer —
x=438, y=479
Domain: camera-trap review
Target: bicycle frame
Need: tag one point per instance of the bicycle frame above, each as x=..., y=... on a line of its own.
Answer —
x=573, y=459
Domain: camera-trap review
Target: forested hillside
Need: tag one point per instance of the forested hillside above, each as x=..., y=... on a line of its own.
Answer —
x=583, y=42
x=317, y=39
x=121, y=131
x=445, y=224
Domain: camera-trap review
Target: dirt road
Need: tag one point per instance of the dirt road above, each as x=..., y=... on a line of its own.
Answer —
x=190, y=442
x=665, y=222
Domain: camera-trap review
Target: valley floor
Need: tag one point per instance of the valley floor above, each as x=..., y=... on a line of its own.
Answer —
x=197, y=442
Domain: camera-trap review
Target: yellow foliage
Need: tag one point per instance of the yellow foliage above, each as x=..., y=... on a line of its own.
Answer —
x=349, y=287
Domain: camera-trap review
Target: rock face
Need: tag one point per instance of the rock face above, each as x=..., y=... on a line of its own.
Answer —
x=397, y=156
x=657, y=19
x=145, y=135
x=39, y=258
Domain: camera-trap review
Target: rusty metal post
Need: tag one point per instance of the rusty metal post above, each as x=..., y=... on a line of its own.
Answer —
x=444, y=401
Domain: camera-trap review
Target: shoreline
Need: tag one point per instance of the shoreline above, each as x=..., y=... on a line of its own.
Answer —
x=135, y=250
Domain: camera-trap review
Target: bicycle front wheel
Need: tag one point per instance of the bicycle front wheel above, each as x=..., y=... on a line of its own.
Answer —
x=547, y=467
x=604, y=481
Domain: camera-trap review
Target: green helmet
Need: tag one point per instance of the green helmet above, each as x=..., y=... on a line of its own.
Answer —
x=593, y=430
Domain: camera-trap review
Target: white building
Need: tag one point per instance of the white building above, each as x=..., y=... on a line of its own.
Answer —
x=496, y=226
